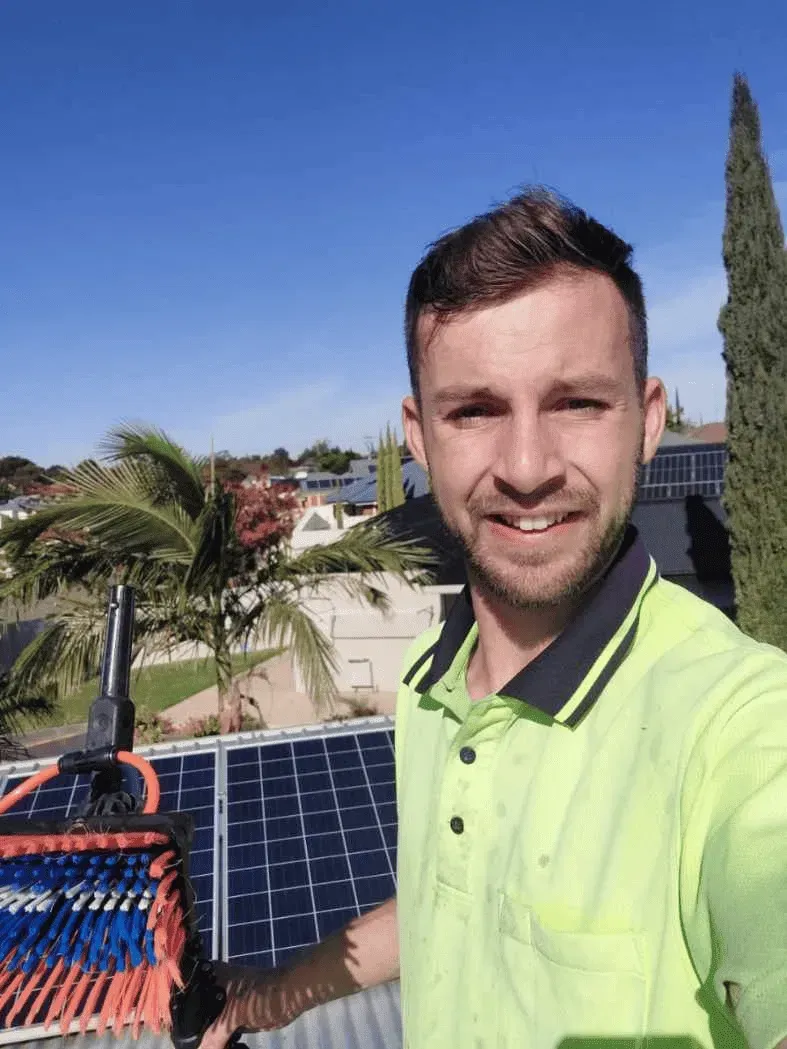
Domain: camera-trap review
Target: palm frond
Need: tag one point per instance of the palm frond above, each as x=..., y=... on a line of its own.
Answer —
x=284, y=623
x=215, y=543
x=17, y=708
x=365, y=552
x=112, y=505
x=183, y=472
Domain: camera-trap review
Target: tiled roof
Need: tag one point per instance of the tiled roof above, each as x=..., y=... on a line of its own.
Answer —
x=711, y=433
x=686, y=536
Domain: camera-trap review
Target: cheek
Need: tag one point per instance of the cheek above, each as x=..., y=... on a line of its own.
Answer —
x=606, y=463
x=459, y=462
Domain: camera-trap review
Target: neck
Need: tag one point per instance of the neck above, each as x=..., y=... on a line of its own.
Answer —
x=509, y=639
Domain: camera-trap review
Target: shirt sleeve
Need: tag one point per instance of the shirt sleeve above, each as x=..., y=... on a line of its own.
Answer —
x=734, y=860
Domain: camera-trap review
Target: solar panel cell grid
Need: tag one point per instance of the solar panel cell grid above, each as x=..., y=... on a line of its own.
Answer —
x=681, y=473
x=311, y=836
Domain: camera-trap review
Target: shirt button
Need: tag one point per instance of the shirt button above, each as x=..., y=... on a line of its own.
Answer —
x=457, y=824
x=467, y=755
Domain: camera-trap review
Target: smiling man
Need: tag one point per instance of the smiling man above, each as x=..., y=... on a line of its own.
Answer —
x=591, y=762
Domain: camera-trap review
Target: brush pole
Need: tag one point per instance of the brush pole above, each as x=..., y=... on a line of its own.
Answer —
x=111, y=720
x=116, y=665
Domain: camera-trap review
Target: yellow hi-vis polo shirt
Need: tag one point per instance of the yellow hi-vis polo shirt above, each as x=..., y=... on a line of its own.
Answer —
x=595, y=853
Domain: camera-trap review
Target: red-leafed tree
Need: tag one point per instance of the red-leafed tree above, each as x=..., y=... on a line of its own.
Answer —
x=264, y=517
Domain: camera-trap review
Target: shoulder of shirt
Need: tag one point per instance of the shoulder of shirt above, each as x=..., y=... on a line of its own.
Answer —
x=693, y=637
x=418, y=649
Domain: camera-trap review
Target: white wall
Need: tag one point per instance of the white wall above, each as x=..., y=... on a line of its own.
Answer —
x=370, y=644
x=12, y=515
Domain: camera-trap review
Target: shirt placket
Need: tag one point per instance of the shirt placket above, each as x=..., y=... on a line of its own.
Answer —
x=464, y=797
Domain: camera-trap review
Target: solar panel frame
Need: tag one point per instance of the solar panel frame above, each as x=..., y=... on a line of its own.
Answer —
x=323, y=872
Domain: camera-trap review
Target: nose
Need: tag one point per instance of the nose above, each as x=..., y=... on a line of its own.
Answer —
x=529, y=457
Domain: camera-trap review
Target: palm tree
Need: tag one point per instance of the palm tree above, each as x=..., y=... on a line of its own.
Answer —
x=209, y=567
x=16, y=709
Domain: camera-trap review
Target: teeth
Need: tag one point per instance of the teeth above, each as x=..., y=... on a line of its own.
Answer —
x=534, y=524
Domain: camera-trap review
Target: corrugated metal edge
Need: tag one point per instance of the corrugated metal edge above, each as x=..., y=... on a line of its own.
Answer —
x=367, y=1020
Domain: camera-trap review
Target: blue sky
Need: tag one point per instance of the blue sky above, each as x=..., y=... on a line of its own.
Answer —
x=209, y=211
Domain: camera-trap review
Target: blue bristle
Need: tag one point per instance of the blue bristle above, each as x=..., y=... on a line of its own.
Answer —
x=150, y=950
x=98, y=958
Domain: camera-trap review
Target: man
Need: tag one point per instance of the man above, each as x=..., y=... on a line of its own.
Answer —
x=591, y=762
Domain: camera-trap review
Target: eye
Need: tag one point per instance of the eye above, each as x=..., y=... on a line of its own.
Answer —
x=583, y=404
x=470, y=413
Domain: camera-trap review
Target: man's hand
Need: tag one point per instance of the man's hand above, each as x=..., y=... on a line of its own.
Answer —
x=257, y=1000
x=362, y=954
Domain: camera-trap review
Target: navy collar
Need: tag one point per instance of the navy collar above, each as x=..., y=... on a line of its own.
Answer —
x=565, y=680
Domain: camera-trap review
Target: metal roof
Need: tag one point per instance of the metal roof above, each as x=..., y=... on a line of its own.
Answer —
x=364, y=492
x=366, y=1020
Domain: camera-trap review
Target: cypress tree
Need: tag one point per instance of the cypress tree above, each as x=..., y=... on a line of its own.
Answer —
x=391, y=472
x=382, y=478
x=397, y=480
x=754, y=325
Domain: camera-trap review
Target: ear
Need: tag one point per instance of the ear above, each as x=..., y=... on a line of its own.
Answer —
x=414, y=431
x=655, y=410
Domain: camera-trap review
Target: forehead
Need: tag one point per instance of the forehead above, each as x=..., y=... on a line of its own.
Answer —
x=566, y=326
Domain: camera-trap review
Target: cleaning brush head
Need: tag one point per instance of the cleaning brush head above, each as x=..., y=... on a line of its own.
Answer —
x=95, y=922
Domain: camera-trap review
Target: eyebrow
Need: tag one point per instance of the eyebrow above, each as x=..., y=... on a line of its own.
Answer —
x=590, y=383
x=599, y=384
x=452, y=394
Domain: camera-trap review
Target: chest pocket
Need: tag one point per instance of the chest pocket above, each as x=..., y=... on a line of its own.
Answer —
x=566, y=987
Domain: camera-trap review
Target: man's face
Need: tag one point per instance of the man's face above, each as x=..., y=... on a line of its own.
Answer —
x=532, y=430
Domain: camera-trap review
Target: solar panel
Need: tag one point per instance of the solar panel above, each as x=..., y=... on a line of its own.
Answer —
x=692, y=470
x=310, y=839
x=188, y=784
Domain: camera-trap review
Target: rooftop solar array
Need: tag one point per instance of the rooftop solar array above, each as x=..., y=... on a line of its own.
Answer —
x=310, y=840
x=691, y=470
x=295, y=830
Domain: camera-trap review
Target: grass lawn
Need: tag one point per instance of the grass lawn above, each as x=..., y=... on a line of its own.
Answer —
x=156, y=687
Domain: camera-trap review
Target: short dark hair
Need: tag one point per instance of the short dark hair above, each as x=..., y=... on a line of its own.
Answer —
x=515, y=247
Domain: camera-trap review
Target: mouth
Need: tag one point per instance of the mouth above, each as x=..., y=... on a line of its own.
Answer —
x=534, y=524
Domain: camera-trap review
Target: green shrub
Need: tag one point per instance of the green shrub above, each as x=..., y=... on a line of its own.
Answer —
x=150, y=726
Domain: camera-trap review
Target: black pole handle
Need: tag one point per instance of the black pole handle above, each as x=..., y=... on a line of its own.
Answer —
x=111, y=719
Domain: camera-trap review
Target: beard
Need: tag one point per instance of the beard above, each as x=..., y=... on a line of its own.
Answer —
x=532, y=580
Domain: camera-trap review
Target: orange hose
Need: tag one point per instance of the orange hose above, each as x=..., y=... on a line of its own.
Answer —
x=148, y=773
x=30, y=784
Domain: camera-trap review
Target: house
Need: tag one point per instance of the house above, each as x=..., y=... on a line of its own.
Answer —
x=18, y=508
x=361, y=497
x=318, y=485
